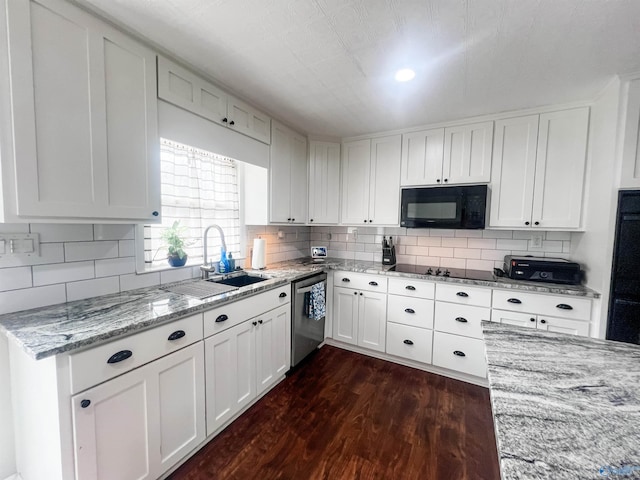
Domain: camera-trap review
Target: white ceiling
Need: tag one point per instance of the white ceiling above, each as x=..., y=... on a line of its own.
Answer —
x=327, y=66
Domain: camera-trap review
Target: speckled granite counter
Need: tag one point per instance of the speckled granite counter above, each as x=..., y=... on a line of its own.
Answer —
x=47, y=331
x=564, y=407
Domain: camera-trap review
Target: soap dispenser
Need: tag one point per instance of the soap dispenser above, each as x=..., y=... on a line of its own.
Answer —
x=224, y=263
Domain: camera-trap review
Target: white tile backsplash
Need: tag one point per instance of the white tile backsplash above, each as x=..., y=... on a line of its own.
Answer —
x=15, y=278
x=49, y=253
x=133, y=281
x=76, y=251
x=92, y=288
x=14, y=300
x=63, y=232
x=127, y=248
x=115, y=266
x=62, y=273
x=175, y=275
x=113, y=232
x=14, y=228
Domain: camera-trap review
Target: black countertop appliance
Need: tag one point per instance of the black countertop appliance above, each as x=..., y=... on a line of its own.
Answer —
x=542, y=269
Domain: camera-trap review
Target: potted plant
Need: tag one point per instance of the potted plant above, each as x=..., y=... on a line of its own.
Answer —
x=174, y=238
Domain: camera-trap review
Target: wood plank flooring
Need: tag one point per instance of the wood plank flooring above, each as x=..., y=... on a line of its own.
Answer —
x=348, y=416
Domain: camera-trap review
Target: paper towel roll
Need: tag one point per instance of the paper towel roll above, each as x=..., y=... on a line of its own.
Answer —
x=259, y=254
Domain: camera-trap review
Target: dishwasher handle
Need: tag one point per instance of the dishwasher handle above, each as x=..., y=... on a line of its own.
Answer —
x=302, y=290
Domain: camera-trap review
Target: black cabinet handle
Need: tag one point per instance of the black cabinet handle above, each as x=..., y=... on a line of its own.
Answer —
x=85, y=403
x=254, y=323
x=409, y=310
x=176, y=335
x=120, y=356
x=459, y=353
x=410, y=287
x=526, y=223
x=260, y=322
x=355, y=293
x=564, y=306
x=232, y=122
x=225, y=120
x=154, y=213
x=408, y=342
x=532, y=319
x=461, y=319
x=288, y=219
x=360, y=293
x=438, y=180
x=536, y=223
x=346, y=280
x=311, y=219
x=543, y=321
x=446, y=180
x=373, y=284
x=282, y=295
x=513, y=300
x=365, y=220
x=222, y=318
x=462, y=294
x=293, y=219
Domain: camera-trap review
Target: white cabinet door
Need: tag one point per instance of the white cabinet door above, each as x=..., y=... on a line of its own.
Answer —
x=245, y=119
x=230, y=373
x=372, y=320
x=631, y=139
x=422, y=155
x=356, y=163
x=116, y=431
x=563, y=325
x=345, y=315
x=513, y=171
x=181, y=403
x=86, y=140
x=298, y=186
x=384, y=181
x=288, y=176
x=273, y=346
x=560, y=168
x=514, y=318
x=467, y=153
x=324, y=183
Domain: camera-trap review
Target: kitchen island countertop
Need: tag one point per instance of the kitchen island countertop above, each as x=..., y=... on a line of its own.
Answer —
x=564, y=407
x=47, y=331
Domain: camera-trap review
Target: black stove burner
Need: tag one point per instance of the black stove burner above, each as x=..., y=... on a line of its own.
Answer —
x=444, y=272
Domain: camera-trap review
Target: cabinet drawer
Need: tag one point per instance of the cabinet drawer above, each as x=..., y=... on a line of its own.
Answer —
x=360, y=281
x=411, y=288
x=417, y=312
x=231, y=314
x=514, y=318
x=555, y=305
x=563, y=325
x=91, y=367
x=461, y=319
x=464, y=294
x=409, y=342
x=461, y=354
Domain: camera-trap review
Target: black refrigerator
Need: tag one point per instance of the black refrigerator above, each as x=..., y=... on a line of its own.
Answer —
x=624, y=305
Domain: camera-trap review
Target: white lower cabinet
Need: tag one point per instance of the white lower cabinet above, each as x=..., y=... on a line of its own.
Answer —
x=541, y=322
x=243, y=362
x=458, y=353
x=360, y=317
x=138, y=425
x=409, y=342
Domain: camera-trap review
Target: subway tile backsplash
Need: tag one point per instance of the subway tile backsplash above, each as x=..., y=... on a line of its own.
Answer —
x=80, y=261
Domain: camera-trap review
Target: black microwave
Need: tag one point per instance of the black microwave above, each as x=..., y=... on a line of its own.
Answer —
x=444, y=207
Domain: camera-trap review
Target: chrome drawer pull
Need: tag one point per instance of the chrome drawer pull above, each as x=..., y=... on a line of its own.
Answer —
x=564, y=306
x=513, y=300
x=120, y=356
x=410, y=287
x=176, y=335
x=459, y=353
x=221, y=318
x=409, y=310
x=462, y=294
x=408, y=342
x=461, y=319
x=373, y=284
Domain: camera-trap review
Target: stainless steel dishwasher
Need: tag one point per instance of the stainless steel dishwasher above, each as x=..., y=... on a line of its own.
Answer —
x=306, y=333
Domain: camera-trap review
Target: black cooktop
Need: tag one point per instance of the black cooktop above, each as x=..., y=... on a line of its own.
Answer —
x=444, y=272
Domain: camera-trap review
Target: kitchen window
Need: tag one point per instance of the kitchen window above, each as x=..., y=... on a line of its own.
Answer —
x=198, y=188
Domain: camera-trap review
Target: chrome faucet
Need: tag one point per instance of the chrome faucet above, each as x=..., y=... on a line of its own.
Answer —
x=207, y=268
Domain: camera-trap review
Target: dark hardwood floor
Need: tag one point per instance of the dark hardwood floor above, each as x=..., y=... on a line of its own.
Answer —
x=348, y=416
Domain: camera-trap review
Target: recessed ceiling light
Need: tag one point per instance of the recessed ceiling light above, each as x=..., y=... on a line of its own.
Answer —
x=405, y=74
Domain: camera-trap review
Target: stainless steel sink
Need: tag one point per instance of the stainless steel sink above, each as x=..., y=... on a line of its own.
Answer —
x=238, y=280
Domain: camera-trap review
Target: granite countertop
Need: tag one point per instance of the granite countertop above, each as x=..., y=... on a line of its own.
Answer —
x=564, y=407
x=55, y=329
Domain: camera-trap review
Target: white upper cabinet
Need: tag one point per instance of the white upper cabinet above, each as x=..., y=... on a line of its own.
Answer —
x=631, y=138
x=371, y=181
x=287, y=176
x=185, y=89
x=467, y=153
x=452, y=155
x=324, y=183
x=85, y=134
x=538, y=170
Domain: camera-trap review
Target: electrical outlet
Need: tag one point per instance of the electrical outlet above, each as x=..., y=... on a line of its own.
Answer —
x=353, y=231
x=536, y=240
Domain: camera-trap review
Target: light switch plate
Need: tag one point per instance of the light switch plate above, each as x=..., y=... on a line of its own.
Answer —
x=536, y=240
x=19, y=245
